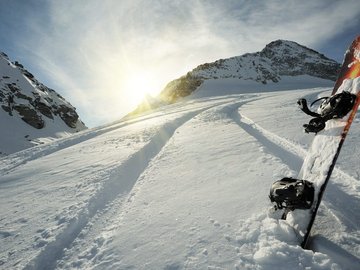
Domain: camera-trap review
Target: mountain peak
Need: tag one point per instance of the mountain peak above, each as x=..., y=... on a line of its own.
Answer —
x=279, y=43
x=283, y=47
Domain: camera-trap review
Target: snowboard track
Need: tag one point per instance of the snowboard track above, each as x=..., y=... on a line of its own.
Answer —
x=289, y=154
x=293, y=149
x=114, y=188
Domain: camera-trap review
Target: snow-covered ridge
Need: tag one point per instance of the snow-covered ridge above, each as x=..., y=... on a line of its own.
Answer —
x=278, y=59
x=29, y=110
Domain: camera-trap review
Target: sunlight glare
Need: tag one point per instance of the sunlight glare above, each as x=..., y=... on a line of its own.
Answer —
x=140, y=84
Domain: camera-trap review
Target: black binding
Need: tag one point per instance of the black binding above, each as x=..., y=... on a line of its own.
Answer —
x=290, y=194
x=336, y=106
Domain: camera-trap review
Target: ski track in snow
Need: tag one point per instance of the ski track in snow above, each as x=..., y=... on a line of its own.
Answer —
x=116, y=189
x=292, y=153
x=276, y=145
x=109, y=192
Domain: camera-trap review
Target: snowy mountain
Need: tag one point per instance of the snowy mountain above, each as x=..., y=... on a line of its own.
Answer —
x=277, y=60
x=280, y=65
x=184, y=187
x=30, y=112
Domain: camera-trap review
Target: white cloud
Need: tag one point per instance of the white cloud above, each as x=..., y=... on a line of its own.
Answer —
x=91, y=48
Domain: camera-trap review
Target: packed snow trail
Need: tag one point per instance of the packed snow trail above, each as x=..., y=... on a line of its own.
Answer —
x=184, y=187
x=119, y=183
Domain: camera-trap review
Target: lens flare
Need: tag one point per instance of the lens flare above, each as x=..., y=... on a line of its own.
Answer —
x=138, y=85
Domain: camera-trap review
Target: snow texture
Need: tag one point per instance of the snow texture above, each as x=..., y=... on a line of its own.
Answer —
x=183, y=187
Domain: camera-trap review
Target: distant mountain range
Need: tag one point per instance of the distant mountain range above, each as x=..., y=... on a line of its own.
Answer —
x=278, y=60
x=29, y=110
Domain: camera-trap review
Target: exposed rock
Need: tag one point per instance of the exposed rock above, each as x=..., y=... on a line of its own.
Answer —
x=44, y=109
x=67, y=114
x=6, y=108
x=181, y=87
x=22, y=96
x=30, y=116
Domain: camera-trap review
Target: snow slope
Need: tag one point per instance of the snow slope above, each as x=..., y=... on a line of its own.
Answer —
x=183, y=187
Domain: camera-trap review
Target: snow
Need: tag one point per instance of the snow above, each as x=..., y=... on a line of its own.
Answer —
x=183, y=187
x=231, y=86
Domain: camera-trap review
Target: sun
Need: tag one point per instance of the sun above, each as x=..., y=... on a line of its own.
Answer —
x=140, y=84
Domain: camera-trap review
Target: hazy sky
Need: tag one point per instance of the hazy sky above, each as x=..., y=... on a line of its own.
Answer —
x=102, y=55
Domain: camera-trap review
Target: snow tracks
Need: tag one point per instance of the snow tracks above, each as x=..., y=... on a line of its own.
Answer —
x=116, y=188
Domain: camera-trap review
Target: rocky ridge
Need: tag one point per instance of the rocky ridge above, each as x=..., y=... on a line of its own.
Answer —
x=21, y=94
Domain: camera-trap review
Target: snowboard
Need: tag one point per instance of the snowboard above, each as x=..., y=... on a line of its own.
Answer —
x=323, y=152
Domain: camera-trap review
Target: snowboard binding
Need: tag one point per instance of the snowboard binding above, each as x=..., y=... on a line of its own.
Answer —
x=336, y=106
x=290, y=194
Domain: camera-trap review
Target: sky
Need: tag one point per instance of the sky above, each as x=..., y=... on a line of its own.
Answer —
x=103, y=56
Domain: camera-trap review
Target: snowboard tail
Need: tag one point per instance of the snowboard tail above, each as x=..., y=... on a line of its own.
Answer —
x=323, y=153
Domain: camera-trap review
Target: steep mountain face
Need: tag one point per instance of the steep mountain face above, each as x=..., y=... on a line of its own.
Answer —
x=30, y=110
x=278, y=59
